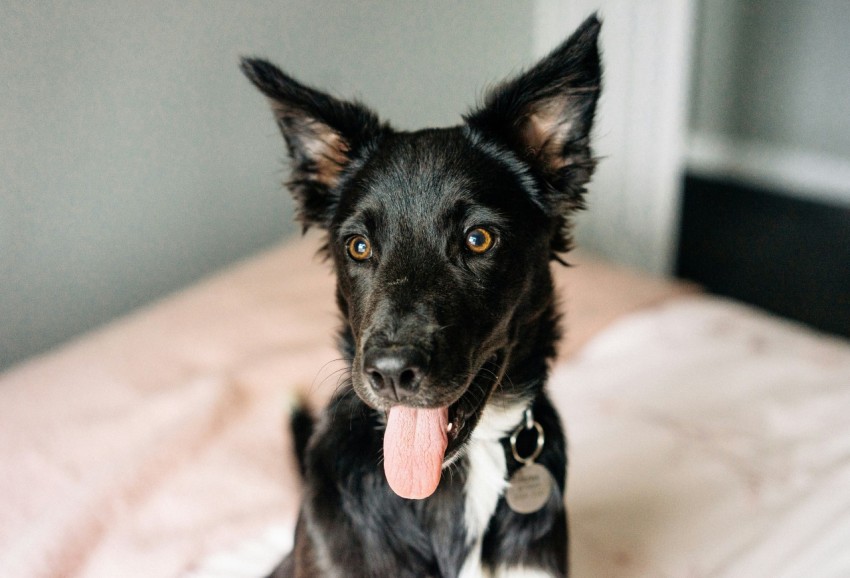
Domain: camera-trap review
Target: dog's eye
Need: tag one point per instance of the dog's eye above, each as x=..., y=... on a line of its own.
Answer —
x=359, y=248
x=479, y=240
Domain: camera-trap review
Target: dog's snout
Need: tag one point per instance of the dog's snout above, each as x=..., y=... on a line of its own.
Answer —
x=395, y=372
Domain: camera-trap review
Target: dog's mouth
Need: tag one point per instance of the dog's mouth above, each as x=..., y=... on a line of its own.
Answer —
x=420, y=442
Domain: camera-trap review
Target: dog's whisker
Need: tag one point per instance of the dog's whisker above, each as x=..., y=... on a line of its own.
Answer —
x=316, y=383
x=336, y=378
x=343, y=378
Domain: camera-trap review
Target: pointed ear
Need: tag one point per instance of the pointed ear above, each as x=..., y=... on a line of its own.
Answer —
x=323, y=136
x=545, y=115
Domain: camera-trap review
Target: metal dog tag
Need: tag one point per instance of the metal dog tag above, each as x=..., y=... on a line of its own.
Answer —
x=530, y=486
x=529, y=489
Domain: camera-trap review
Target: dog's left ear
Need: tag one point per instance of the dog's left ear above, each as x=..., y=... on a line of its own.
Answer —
x=323, y=135
x=545, y=116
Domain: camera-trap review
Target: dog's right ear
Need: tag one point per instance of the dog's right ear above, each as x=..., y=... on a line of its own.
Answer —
x=545, y=116
x=323, y=135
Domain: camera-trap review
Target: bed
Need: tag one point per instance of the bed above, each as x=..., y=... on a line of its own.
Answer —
x=706, y=438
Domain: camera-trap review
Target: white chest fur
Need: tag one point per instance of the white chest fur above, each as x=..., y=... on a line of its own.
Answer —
x=487, y=477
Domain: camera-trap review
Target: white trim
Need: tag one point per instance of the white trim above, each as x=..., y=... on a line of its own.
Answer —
x=797, y=172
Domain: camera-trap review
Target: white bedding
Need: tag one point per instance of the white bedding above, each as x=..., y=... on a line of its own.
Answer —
x=706, y=440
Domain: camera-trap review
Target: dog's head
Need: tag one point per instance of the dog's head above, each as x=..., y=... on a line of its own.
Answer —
x=441, y=239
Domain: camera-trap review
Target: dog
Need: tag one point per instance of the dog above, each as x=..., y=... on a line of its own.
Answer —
x=441, y=455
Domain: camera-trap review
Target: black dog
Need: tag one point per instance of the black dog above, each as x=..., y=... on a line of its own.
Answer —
x=441, y=240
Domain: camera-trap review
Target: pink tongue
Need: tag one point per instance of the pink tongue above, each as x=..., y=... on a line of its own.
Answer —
x=414, y=447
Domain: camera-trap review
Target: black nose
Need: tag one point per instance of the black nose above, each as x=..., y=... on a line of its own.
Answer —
x=395, y=372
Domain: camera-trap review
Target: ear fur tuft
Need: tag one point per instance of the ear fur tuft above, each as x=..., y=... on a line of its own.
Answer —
x=323, y=136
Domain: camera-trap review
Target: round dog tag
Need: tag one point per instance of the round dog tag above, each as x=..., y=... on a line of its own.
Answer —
x=529, y=488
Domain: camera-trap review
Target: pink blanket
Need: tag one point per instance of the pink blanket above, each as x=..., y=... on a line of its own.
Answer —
x=144, y=447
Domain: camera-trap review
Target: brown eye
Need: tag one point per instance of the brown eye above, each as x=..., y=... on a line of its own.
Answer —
x=479, y=240
x=359, y=248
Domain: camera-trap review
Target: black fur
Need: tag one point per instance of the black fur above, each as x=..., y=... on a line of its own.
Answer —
x=301, y=428
x=465, y=330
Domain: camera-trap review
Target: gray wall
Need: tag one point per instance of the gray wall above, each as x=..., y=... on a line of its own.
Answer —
x=135, y=159
x=775, y=71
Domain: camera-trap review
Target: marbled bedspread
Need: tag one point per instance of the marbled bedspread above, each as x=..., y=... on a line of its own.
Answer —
x=705, y=439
